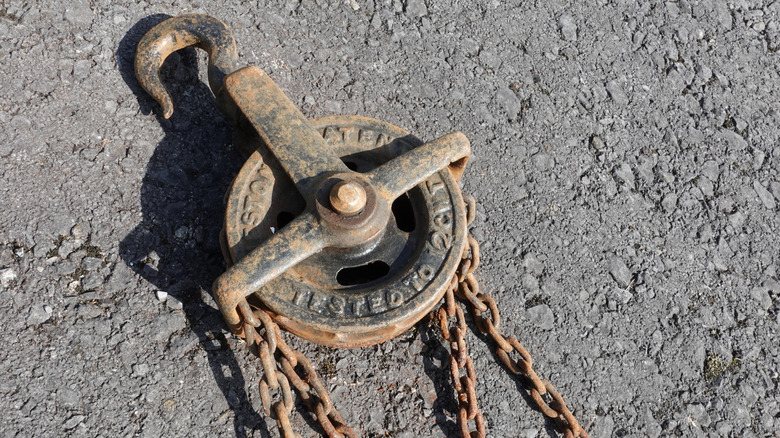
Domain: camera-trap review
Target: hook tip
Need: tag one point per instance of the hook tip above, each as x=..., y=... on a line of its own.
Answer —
x=167, y=110
x=166, y=104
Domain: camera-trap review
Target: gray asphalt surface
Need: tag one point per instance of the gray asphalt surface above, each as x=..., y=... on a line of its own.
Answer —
x=626, y=163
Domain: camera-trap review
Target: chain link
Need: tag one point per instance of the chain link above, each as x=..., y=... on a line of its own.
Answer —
x=285, y=368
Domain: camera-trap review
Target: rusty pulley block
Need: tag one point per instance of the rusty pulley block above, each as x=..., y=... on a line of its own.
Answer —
x=346, y=229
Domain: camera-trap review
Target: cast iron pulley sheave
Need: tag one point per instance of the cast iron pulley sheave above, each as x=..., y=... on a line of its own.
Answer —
x=346, y=229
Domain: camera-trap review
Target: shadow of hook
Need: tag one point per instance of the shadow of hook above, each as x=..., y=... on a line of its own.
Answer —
x=185, y=179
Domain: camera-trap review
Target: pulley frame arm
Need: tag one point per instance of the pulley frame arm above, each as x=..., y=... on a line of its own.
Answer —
x=293, y=243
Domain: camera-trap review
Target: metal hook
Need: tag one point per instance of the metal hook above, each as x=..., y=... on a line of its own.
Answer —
x=193, y=30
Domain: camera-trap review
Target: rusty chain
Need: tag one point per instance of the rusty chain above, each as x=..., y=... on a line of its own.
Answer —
x=280, y=361
x=488, y=319
x=280, y=371
x=464, y=384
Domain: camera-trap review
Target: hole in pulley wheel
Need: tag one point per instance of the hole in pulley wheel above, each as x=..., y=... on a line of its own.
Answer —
x=362, y=274
x=351, y=165
x=404, y=214
x=283, y=218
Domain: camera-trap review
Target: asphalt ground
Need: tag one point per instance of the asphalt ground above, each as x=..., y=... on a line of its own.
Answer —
x=625, y=162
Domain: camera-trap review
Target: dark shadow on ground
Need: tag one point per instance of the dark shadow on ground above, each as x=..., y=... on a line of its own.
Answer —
x=176, y=246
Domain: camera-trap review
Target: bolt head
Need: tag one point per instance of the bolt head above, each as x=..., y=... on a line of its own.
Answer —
x=348, y=198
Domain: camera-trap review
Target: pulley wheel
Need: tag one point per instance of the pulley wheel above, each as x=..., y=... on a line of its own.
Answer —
x=360, y=294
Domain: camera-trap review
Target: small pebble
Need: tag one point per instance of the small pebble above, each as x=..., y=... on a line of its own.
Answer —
x=706, y=187
x=758, y=158
x=735, y=141
x=92, y=280
x=81, y=68
x=616, y=93
x=741, y=125
x=7, y=276
x=78, y=232
x=543, y=161
x=711, y=170
x=669, y=202
x=751, y=397
x=742, y=415
x=625, y=174
x=72, y=422
x=161, y=295
x=181, y=232
x=719, y=263
x=530, y=283
x=416, y=8
x=73, y=287
x=509, y=101
x=91, y=263
x=541, y=316
x=602, y=426
x=766, y=198
x=737, y=220
x=167, y=324
x=174, y=303
x=620, y=272
x=37, y=316
x=761, y=294
x=698, y=413
x=68, y=247
x=568, y=28
x=703, y=72
x=533, y=265
x=140, y=369
x=774, y=187
x=622, y=296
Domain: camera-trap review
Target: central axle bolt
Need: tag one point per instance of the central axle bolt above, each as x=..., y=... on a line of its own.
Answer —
x=348, y=198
